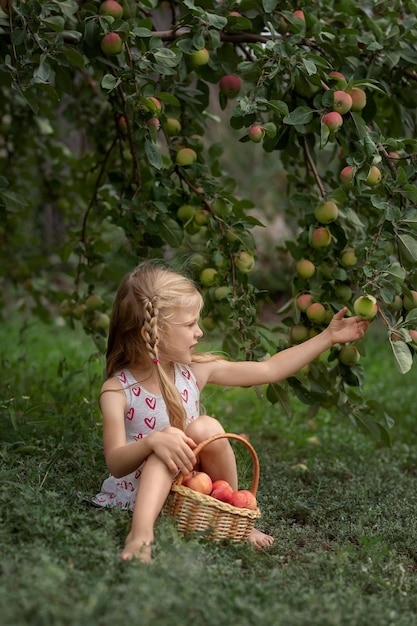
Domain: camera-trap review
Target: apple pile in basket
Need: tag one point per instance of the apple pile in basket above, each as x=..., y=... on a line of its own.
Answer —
x=220, y=489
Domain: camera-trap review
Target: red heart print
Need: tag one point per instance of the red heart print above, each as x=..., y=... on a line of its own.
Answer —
x=136, y=391
x=122, y=377
x=130, y=414
x=150, y=422
x=138, y=436
x=151, y=402
x=186, y=374
x=184, y=395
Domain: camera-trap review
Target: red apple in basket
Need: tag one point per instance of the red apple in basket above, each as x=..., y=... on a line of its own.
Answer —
x=222, y=491
x=198, y=481
x=244, y=499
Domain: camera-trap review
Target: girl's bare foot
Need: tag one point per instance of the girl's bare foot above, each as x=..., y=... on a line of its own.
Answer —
x=137, y=549
x=259, y=539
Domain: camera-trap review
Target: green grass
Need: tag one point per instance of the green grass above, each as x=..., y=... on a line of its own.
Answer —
x=345, y=531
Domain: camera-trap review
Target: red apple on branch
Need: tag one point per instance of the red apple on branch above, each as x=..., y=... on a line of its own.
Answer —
x=346, y=176
x=111, y=7
x=305, y=268
x=111, y=44
x=358, y=98
x=256, y=133
x=320, y=237
x=339, y=79
x=303, y=301
x=316, y=312
x=333, y=120
x=186, y=156
x=230, y=85
x=342, y=102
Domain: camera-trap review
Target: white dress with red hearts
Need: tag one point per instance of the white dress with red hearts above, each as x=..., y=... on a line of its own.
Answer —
x=146, y=413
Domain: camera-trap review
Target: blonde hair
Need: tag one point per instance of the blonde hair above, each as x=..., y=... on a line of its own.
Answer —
x=148, y=298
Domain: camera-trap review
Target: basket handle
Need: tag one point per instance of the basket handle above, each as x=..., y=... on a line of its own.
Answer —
x=255, y=460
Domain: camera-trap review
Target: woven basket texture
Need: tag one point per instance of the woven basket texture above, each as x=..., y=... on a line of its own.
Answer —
x=195, y=512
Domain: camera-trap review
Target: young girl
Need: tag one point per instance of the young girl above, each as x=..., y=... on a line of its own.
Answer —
x=150, y=400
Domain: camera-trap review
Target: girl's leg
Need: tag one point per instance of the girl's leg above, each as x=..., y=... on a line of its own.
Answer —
x=154, y=486
x=217, y=459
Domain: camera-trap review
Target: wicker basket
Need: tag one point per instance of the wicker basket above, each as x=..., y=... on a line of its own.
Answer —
x=195, y=512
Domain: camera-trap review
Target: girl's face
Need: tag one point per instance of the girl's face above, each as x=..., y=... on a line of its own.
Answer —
x=180, y=336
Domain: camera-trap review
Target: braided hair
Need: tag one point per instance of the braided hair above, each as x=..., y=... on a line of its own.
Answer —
x=147, y=298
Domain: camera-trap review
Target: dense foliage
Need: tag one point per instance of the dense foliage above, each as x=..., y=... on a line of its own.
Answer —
x=105, y=161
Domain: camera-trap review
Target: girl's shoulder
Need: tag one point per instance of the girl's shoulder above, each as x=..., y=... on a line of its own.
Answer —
x=112, y=383
x=119, y=380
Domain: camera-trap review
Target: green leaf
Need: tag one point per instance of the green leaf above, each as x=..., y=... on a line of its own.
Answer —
x=410, y=216
x=55, y=22
x=370, y=146
x=277, y=392
x=402, y=356
x=74, y=57
x=409, y=55
x=270, y=129
x=370, y=426
x=109, y=82
x=171, y=232
x=68, y=7
x=397, y=270
x=407, y=191
x=167, y=56
x=300, y=115
x=408, y=246
x=269, y=5
x=153, y=155
x=142, y=32
x=168, y=98
x=278, y=106
x=74, y=35
x=42, y=74
x=310, y=66
x=13, y=202
x=324, y=135
x=216, y=21
x=307, y=396
x=411, y=316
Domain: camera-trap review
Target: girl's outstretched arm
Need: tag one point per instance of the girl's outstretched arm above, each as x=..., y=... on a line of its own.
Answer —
x=285, y=363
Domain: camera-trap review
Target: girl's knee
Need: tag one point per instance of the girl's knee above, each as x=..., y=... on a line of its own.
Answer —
x=204, y=427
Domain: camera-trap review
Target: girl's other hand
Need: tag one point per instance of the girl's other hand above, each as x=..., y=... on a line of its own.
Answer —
x=345, y=329
x=175, y=449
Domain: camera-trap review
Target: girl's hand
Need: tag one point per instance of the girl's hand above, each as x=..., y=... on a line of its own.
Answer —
x=344, y=329
x=175, y=449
